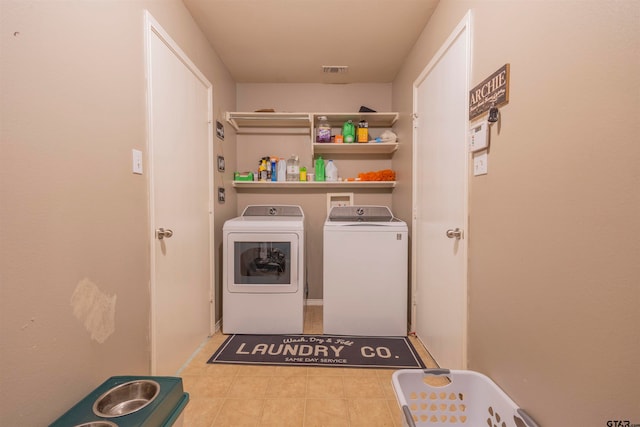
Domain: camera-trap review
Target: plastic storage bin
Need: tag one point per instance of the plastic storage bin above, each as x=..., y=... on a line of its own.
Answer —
x=465, y=398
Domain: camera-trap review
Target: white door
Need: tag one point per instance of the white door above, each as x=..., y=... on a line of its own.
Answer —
x=180, y=153
x=440, y=201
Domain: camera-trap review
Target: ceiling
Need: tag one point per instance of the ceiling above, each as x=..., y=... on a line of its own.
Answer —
x=288, y=41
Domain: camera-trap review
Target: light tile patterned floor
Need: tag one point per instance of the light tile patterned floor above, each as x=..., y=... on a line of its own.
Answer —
x=238, y=395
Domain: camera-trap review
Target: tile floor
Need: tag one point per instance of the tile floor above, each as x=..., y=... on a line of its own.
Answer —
x=239, y=395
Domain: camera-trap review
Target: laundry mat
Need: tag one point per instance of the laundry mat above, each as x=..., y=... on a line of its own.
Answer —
x=319, y=350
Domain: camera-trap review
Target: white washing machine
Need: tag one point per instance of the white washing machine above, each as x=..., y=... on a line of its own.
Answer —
x=365, y=272
x=263, y=271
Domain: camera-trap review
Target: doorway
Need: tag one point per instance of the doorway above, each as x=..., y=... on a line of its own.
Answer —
x=440, y=162
x=180, y=144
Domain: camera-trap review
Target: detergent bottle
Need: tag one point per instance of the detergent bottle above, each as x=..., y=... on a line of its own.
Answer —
x=363, y=131
x=319, y=167
x=282, y=170
x=293, y=168
x=274, y=172
x=349, y=132
x=323, y=133
x=262, y=170
x=331, y=171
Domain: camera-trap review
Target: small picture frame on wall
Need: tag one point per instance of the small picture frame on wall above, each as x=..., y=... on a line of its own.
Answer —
x=219, y=130
x=220, y=164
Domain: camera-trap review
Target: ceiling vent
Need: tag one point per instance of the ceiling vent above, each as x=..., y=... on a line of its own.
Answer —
x=335, y=69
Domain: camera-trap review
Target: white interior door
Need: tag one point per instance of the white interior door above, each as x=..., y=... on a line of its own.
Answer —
x=180, y=151
x=440, y=201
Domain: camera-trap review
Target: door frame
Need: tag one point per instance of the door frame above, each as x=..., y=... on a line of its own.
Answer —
x=465, y=25
x=151, y=28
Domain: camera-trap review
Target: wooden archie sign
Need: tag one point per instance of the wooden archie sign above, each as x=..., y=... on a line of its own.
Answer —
x=494, y=90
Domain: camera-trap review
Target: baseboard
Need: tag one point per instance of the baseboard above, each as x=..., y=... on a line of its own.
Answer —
x=309, y=301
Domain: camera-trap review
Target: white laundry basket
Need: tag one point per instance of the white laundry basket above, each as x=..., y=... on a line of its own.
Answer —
x=465, y=398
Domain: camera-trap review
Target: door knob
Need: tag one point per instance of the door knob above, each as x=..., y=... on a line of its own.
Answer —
x=454, y=234
x=161, y=233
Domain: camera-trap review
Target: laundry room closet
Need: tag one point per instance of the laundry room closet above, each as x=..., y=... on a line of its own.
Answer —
x=283, y=142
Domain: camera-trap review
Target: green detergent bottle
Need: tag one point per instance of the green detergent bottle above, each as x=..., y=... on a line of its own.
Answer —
x=319, y=169
x=349, y=132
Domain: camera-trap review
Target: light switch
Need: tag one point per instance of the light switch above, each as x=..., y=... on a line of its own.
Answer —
x=137, y=162
x=480, y=166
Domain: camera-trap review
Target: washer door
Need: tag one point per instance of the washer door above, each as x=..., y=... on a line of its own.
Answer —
x=262, y=262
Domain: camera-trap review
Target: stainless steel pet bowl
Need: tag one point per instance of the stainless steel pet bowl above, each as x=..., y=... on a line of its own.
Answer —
x=126, y=398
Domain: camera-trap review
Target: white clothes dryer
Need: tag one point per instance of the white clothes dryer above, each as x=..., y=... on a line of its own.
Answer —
x=365, y=272
x=263, y=271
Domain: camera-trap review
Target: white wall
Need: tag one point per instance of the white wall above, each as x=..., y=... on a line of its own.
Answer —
x=73, y=216
x=554, y=234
